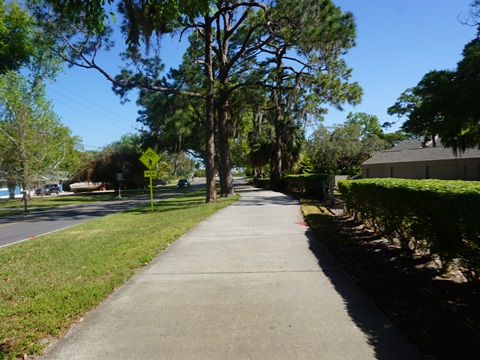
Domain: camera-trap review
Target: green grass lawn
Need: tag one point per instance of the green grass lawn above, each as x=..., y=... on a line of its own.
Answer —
x=49, y=282
x=36, y=203
x=12, y=206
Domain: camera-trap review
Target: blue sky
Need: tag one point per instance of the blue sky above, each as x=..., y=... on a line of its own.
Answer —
x=398, y=41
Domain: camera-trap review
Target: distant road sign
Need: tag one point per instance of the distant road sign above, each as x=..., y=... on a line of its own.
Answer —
x=149, y=158
x=150, y=173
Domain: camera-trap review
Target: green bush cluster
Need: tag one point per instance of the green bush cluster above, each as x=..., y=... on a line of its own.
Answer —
x=305, y=184
x=261, y=183
x=439, y=217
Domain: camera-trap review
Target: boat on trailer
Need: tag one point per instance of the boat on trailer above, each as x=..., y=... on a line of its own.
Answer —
x=85, y=186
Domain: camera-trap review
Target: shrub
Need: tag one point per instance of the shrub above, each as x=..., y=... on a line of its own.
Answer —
x=306, y=184
x=438, y=216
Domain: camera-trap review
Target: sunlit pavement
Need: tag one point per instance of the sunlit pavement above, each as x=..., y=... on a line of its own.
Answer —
x=250, y=282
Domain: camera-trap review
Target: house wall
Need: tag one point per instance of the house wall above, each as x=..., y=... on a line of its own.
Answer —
x=410, y=171
x=4, y=192
x=375, y=171
x=463, y=169
x=471, y=171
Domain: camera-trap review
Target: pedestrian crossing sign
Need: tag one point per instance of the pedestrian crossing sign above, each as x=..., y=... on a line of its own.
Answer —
x=149, y=158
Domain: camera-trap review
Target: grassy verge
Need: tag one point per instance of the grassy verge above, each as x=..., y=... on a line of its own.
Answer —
x=36, y=203
x=49, y=282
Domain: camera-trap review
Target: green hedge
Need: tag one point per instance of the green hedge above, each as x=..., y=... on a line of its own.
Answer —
x=437, y=216
x=262, y=183
x=305, y=184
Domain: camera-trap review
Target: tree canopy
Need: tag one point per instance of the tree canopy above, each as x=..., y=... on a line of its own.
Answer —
x=341, y=149
x=16, y=37
x=33, y=142
x=289, y=52
x=445, y=103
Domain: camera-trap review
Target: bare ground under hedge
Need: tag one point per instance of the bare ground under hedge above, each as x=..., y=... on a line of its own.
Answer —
x=440, y=314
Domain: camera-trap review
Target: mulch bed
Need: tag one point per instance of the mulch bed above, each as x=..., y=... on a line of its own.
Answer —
x=439, y=313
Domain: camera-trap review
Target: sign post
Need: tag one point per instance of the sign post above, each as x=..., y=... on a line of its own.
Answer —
x=149, y=159
x=150, y=174
x=119, y=179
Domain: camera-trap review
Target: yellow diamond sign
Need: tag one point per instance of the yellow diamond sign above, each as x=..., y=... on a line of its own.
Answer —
x=149, y=158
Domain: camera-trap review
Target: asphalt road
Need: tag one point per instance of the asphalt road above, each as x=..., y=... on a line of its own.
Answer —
x=27, y=226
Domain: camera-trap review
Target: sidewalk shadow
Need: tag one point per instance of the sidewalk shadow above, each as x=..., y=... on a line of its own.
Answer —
x=387, y=341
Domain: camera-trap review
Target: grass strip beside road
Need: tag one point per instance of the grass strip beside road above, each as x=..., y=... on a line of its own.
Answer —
x=35, y=203
x=50, y=282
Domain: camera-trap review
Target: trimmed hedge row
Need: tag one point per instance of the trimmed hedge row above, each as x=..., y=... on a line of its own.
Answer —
x=306, y=184
x=261, y=183
x=439, y=217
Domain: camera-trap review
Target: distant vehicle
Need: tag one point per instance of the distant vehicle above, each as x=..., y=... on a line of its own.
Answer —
x=183, y=183
x=355, y=177
x=159, y=182
x=48, y=189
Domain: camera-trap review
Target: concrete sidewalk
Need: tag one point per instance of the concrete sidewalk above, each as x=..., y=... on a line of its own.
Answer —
x=247, y=283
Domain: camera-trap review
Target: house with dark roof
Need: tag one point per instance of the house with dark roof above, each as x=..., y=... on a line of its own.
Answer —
x=414, y=159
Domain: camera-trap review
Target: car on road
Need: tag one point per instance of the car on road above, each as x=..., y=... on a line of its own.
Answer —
x=160, y=182
x=48, y=189
x=183, y=183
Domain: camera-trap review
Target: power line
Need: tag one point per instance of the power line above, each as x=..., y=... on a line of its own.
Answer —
x=108, y=112
x=91, y=102
x=93, y=147
x=94, y=116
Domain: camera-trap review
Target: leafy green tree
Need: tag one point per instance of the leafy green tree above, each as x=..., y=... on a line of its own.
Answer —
x=82, y=30
x=370, y=127
x=318, y=149
x=176, y=122
x=233, y=44
x=369, y=123
x=445, y=103
x=34, y=142
x=404, y=105
x=306, y=165
x=16, y=37
x=427, y=105
x=393, y=139
x=243, y=107
x=74, y=158
x=464, y=121
x=231, y=34
x=342, y=149
x=183, y=165
x=85, y=167
x=120, y=157
x=318, y=32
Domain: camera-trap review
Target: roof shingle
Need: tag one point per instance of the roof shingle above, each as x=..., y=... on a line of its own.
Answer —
x=412, y=151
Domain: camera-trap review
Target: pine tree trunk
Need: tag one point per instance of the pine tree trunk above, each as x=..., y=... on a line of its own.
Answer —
x=211, y=195
x=276, y=169
x=226, y=180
